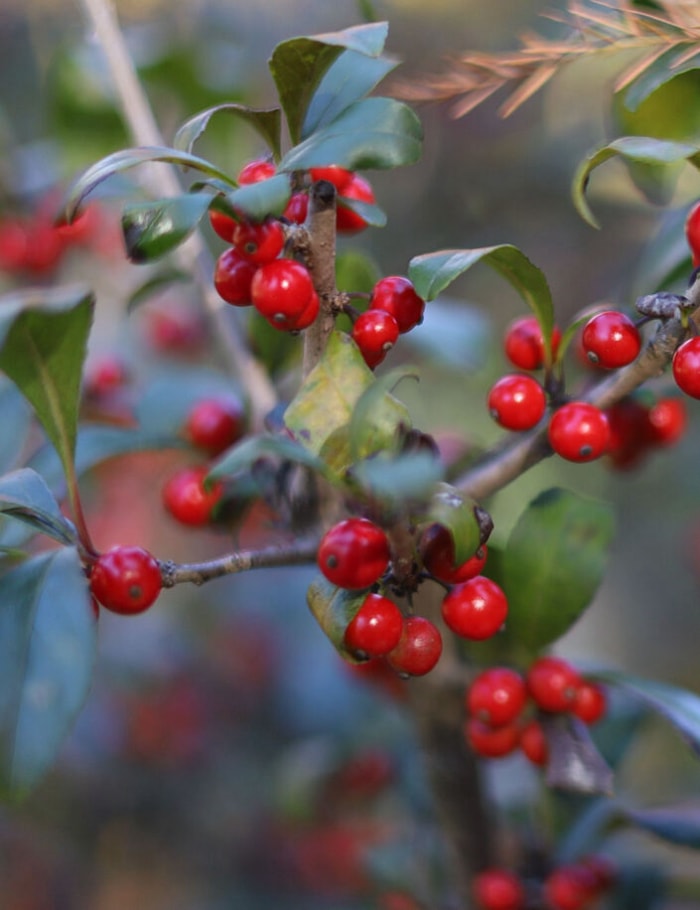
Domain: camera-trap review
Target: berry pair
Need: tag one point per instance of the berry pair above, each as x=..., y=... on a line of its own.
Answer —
x=411, y=645
x=394, y=309
x=637, y=428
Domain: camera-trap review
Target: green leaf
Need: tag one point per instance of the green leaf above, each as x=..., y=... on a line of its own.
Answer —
x=350, y=77
x=334, y=609
x=681, y=92
x=675, y=824
x=371, y=133
x=377, y=415
x=368, y=211
x=153, y=229
x=267, y=122
x=642, y=149
x=432, y=273
x=128, y=158
x=243, y=455
x=266, y=197
x=455, y=511
x=298, y=65
x=47, y=646
x=574, y=764
x=553, y=564
x=25, y=496
x=13, y=413
x=42, y=350
x=399, y=480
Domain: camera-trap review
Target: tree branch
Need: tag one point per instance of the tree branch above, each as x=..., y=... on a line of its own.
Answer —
x=321, y=262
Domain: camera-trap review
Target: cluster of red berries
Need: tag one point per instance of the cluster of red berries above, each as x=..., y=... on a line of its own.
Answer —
x=573, y=886
x=394, y=309
x=638, y=427
x=498, y=698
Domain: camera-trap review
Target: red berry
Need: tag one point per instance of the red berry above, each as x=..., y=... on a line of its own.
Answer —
x=419, y=647
x=281, y=290
x=233, y=277
x=187, y=499
x=14, y=239
x=590, y=703
x=126, y=580
x=173, y=329
x=475, y=609
x=579, y=431
x=552, y=683
x=630, y=433
x=214, y=424
x=86, y=223
x=45, y=247
x=533, y=743
x=224, y=225
x=338, y=176
x=438, y=552
x=611, y=340
x=517, y=402
x=354, y=553
x=376, y=627
x=686, y=367
x=396, y=295
x=692, y=233
x=255, y=171
x=491, y=742
x=569, y=887
x=297, y=208
x=104, y=375
x=524, y=344
x=667, y=421
x=375, y=332
x=259, y=242
x=497, y=696
x=307, y=316
x=347, y=221
x=498, y=889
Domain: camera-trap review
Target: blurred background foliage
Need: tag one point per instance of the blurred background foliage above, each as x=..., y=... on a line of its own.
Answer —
x=225, y=758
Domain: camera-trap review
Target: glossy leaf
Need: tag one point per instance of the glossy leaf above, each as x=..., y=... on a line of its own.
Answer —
x=47, y=646
x=432, y=273
x=455, y=511
x=25, y=496
x=642, y=149
x=350, y=77
x=267, y=122
x=372, y=428
x=243, y=455
x=298, y=65
x=153, y=229
x=42, y=352
x=128, y=158
x=334, y=609
x=553, y=563
x=674, y=824
x=574, y=765
x=371, y=133
x=266, y=197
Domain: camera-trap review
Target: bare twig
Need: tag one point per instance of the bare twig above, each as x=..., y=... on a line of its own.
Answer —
x=321, y=262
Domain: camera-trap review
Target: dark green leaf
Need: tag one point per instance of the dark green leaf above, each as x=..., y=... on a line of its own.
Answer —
x=350, y=77
x=243, y=455
x=298, y=65
x=47, y=645
x=154, y=285
x=153, y=229
x=371, y=133
x=432, y=273
x=334, y=609
x=25, y=496
x=266, y=122
x=675, y=824
x=121, y=161
x=455, y=511
x=13, y=413
x=399, y=480
x=574, y=762
x=553, y=564
x=258, y=200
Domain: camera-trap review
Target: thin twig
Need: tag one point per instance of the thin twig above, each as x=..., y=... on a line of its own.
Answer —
x=321, y=261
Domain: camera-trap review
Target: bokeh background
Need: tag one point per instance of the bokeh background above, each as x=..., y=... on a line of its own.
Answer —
x=226, y=758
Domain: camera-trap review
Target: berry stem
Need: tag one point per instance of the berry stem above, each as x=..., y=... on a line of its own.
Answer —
x=320, y=223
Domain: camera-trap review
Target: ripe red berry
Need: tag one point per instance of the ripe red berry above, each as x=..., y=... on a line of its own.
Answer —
x=552, y=683
x=224, y=225
x=590, y=703
x=667, y=420
x=630, y=433
x=524, y=345
x=340, y=177
x=498, y=889
x=126, y=580
x=438, y=553
x=105, y=375
x=188, y=500
x=497, y=696
x=281, y=290
x=354, y=553
x=475, y=609
x=611, y=340
x=396, y=295
x=347, y=221
x=307, y=316
x=692, y=232
x=517, y=402
x=491, y=742
x=419, y=647
x=215, y=424
x=233, y=277
x=533, y=743
x=686, y=367
x=569, y=887
x=375, y=332
x=259, y=242
x=297, y=208
x=255, y=171
x=579, y=431
x=376, y=627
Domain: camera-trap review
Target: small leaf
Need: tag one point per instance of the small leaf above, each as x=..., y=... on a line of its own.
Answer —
x=266, y=197
x=298, y=65
x=153, y=229
x=267, y=122
x=454, y=511
x=47, y=646
x=432, y=273
x=243, y=455
x=25, y=496
x=377, y=415
x=399, y=480
x=334, y=609
x=675, y=824
x=553, y=564
x=371, y=133
x=574, y=762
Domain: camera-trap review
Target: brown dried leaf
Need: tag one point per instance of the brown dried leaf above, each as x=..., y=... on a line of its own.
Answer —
x=528, y=88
